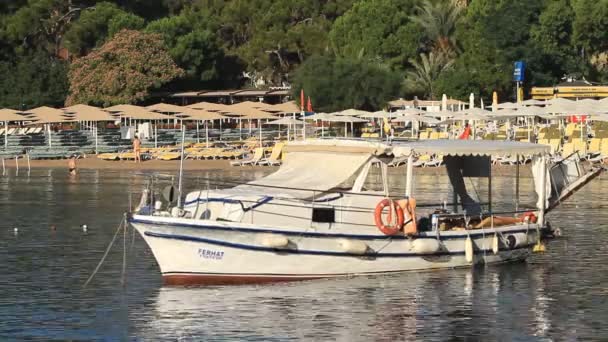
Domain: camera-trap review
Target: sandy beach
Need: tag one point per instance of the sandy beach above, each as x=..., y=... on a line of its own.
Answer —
x=92, y=163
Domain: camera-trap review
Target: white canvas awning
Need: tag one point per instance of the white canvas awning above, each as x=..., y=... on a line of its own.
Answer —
x=317, y=172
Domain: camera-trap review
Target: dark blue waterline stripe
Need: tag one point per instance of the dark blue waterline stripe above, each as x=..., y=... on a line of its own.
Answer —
x=322, y=235
x=314, y=252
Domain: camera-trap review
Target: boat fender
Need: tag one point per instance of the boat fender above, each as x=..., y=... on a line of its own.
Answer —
x=158, y=205
x=388, y=228
x=425, y=246
x=273, y=241
x=495, y=245
x=468, y=249
x=352, y=246
x=177, y=212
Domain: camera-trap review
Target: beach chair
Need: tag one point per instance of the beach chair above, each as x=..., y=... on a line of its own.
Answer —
x=275, y=156
x=434, y=136
x=594, y=148
x=398, y=161
x=166, y=156
x=579, y=144
x=567, y=150
x=435, y=161
x=603, y=153
x=108, y=156
x=258, y=154
x=422, y=160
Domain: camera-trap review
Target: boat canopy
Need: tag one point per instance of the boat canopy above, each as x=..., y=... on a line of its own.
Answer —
x=317, y=165
x=470, y=148
x=314, y=171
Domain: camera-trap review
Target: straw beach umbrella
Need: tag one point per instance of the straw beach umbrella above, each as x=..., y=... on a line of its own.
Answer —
x=8, y=115
x=47, y=115
x=85, y=113
x=201, y=115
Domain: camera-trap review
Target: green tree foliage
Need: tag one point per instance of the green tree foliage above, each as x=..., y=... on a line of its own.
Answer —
x=439, y=19
x=97, y=24
x=32, y=81
x=123, y=70
x=338, y=83
x=381, y=30
x=493, y=35
x=274, y=37
x=425, y=72
x=194, y=47
x=217, y=42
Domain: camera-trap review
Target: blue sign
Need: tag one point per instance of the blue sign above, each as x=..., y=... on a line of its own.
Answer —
x=518, y=71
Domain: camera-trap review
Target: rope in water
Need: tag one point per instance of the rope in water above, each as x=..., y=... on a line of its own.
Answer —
x=120, y=226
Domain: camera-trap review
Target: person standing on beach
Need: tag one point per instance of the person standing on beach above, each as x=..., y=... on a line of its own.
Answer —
x=137, y=149
x=72, y=165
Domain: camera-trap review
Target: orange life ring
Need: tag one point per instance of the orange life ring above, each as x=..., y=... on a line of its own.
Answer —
x=530, y=216
x=410, y=226
x=386, y=228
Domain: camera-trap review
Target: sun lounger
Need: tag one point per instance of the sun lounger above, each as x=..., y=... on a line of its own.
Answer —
x=603, y=153
x=108, y=156
x=275, y=156
x=421, y=160
x=398, y=161
x=434, y=162
x=169, y=156
x=258, y=154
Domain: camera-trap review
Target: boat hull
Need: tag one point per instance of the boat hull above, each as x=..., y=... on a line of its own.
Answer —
x=202, y=253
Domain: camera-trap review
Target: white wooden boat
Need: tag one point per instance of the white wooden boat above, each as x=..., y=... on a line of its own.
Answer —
x=318, y=216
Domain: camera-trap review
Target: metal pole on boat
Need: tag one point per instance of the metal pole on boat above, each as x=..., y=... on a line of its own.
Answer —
x=517, y=183
x=181, y=168
x=543, y=192
x=409, y=175
x=490, y=189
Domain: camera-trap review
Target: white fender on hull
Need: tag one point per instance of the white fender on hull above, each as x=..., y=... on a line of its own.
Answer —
x=352, y=246
x=273, y=240
x=468, y=249
x=425, y=246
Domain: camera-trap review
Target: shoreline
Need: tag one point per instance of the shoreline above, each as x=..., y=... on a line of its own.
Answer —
x=93, y=163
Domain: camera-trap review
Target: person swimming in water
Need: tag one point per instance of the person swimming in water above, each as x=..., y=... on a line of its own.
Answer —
x=72, y=165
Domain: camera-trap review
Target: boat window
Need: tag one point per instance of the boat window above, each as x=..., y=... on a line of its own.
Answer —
x=324, y=215
x=373, y=181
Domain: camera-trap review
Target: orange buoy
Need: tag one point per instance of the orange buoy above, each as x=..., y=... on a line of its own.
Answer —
x=387, y=228
x=409, y=210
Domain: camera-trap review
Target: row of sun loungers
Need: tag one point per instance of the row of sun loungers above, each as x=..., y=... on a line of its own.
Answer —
x=20, y=131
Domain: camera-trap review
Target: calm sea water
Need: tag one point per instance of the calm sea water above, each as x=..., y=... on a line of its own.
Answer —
x=559, y=295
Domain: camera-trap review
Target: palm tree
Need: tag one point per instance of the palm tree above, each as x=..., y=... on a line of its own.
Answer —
x=438, y=19
x=426, y=71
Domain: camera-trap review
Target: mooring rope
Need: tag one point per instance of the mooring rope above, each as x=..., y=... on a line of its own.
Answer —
x=120, y=226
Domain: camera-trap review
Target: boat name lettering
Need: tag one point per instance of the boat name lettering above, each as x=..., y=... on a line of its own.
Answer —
x=210, y=254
